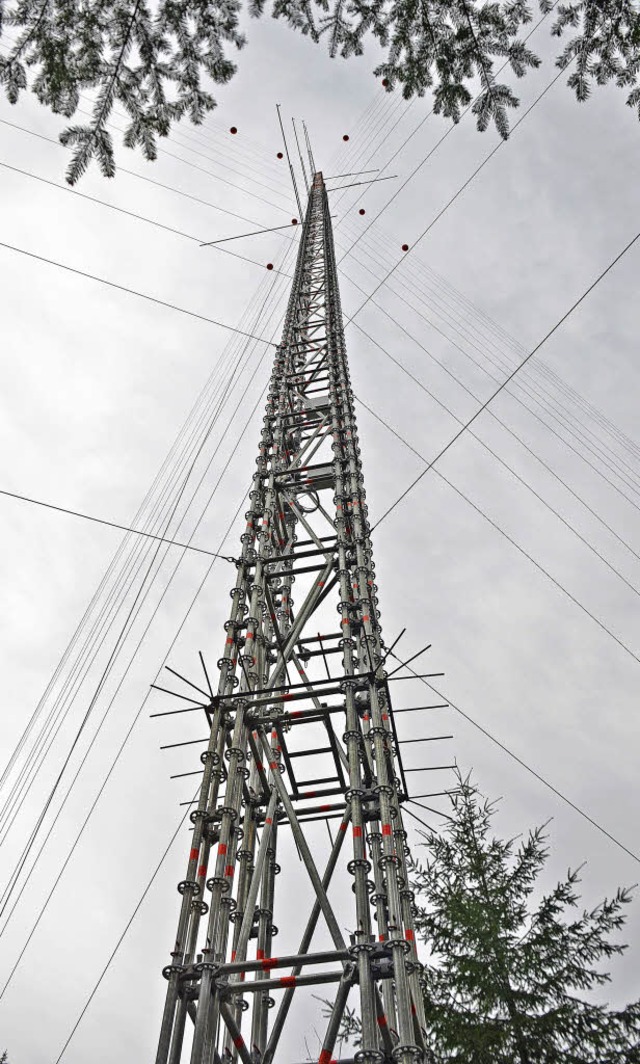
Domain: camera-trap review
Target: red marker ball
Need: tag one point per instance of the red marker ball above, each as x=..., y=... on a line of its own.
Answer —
x=361, y=211
x=269, y=265
x=294, y=221
x=405, y=247
x=385, y=82
x=346, y=136
x=233, y=130
x=280, y=155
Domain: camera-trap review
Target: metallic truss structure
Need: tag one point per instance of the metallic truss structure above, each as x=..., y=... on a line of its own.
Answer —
x=291, y=701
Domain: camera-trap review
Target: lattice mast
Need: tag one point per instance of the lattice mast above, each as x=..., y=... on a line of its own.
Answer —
x=284, y=686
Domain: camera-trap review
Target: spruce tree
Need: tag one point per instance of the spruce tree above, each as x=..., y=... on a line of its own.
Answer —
x=509, y=974
x=158, y=61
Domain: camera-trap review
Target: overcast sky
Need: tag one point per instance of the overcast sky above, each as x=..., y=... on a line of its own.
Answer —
x=96, y=385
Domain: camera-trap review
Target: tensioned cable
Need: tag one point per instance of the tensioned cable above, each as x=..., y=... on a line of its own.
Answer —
x=127, y=539
x=459, y=192
x=483, y=164
x=43, y=736
x=260, y=312
x=495, y=525
x=138, y=177
x=566, y=443
x=122, y=936
x=480, y=322
x=506, y=381
x=533, y=413
x=111, y=524
x=447, y=699
x=211, y=427
x=453, y=126
x=134, y=214
x=507, y=428
x=157, y=607
x=378, y=135
x=363, y=124
x=500, y=366
x=204, y=510
x=120, y=750
x=133, y=292
x=215, y=176
x=122, y=634
x=517, y=476
x=523, y=764
x=531, y=390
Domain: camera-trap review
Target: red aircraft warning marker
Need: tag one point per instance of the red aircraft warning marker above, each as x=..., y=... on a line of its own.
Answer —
x=346, y=136
x=269, y=265
x=233, y=130
x=405, y=247
x=361, y=211
x=280, y=155
x=294, y=221
x=385, y=83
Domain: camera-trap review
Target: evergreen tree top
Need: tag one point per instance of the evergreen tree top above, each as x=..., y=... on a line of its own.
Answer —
x=511, y=972
x=159, y=61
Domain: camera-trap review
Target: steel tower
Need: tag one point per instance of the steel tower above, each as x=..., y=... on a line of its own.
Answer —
x=289, y=701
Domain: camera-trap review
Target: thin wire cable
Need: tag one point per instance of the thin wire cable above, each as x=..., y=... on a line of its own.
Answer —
x=132, y=292
x=123, y=935
x=453, y=126
x=203, y=512
x=138, y=177
x=499, y=420
x=550, y=400
x=459, y=192
x=506, y=381
x=13, y=881
x=506, y=535
x=110, y=524
x=501, y=367
x=533, y=772
x=501, y=461
x=149, y=519
x=496, y=418
x=269, y=289
x=540, y=369
x=135, y=215
x=122, y=579
x=215, y=176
